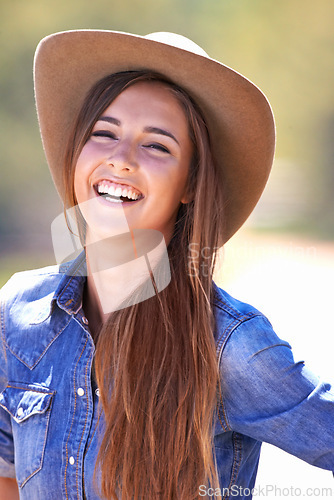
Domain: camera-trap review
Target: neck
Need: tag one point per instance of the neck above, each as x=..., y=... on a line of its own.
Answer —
x=120, y=271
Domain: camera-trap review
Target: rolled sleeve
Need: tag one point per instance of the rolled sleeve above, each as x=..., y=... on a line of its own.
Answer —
x=270, y=397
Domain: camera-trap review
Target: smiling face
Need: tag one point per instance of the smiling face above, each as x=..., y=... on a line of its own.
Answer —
x=135, y=164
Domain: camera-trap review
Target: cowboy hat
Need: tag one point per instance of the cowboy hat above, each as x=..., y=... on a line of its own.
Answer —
x=238, y=115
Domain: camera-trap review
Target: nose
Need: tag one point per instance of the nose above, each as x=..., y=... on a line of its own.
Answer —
x=123, y=158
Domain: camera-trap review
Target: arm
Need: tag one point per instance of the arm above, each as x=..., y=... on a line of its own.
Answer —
x=270, y=397
x=8, y=489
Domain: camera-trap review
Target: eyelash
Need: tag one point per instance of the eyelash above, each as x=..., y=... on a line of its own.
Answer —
x=104, y=133
x=110, y=135
x=158, y=147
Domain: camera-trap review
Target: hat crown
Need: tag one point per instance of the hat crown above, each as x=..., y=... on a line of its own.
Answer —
x=178, y=41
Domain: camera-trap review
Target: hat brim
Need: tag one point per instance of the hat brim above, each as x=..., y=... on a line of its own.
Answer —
x=238, y=115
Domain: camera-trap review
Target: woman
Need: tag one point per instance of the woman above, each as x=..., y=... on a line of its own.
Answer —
x=110, y=388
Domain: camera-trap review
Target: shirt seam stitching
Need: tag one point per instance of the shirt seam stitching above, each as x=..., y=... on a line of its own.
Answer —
x=17, y=356
x=237, y=455
x=42, y=457
x=17, y=386
x=224, y=337
x=83, y=431
x=73, y=418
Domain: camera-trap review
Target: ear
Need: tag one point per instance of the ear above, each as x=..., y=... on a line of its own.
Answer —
x=188, y=196
x=184, y=201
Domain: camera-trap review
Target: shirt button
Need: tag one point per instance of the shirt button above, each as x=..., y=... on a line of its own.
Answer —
x=80, y=391
x=71, y=460
x=85, y=320
x=20, y=412
x=97, y=392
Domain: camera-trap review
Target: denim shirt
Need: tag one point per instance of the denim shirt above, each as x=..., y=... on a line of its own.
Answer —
x=49, y=414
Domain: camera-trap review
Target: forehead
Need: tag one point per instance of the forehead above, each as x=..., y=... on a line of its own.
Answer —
x=149, y=98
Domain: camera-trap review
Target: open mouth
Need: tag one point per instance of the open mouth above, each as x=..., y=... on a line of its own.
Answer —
x=117, y=193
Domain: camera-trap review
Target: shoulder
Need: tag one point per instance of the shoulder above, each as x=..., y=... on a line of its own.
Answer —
x=37, y=284
x=30, y=286
x=248, y=348
x=29, y=295
x=231, y=314
x=232, y=307
x=242, y=332
x=33, y=308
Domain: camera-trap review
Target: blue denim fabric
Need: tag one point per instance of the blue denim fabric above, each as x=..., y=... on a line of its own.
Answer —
x=49, y=426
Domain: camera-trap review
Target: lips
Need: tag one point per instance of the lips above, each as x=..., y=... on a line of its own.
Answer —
x=114, y=191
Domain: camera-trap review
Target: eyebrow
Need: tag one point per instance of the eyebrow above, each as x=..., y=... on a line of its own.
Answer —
x=157, y=130
x=109, y=119
x=149, y=130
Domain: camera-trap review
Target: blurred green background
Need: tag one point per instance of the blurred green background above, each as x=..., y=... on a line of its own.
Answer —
x=285, y=47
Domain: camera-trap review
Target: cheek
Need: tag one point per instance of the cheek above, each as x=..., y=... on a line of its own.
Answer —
x=177, y=181
x=169, y=192
x=79, y=181
x=83, y=161
x=172, y=177
x=90, y=153
x=81, y=172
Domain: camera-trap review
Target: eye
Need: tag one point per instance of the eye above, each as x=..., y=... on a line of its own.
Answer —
x=104, y=133
x=158, y=147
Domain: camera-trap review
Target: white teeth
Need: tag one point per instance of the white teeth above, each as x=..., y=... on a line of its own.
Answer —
x=117, y=191
x=111, y=190
x=113, y=200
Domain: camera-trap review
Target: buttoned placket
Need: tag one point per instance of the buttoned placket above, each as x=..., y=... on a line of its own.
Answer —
x=79, y=432
x=79, y=428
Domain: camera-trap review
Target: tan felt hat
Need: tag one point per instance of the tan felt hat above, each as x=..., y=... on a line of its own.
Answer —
x=238, y=115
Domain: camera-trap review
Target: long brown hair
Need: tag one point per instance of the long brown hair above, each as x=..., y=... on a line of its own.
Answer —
x=155, y=361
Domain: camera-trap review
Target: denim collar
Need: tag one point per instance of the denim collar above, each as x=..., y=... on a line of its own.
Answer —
x=68, y=295
x=37, y=319
x=52, y=292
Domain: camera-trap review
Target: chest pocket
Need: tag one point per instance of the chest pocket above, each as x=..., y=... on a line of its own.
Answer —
x=29, y=407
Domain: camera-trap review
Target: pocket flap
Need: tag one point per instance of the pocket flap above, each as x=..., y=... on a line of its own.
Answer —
x=22, y=401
